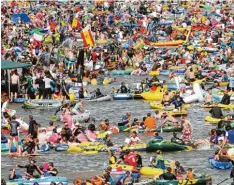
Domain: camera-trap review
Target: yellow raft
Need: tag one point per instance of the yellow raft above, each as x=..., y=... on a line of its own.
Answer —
x=106, y=81
x=222, y=83
x=150, y=171
x=136, y=147
x=93, y=81
x=74, y=149
x=91, y=150
x=212, y=120
x=155, y=105
x=156, y=96
x=223, y=106
x=154, y=73
x=123, y=166
x=170, y=43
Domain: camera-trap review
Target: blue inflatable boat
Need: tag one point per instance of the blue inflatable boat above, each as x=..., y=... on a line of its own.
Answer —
x=123, y=96
x=218, y=164
x=61, y=147
x=40, y=181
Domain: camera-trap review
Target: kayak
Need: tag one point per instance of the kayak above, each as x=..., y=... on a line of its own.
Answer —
x=170, y=43
x=81, y=116
x=40, y=181
x=104, y=98
x=19, y=100
x=121, y=72
x=42, y=104
x=223, y=106
x=155, y=105
x=150, y=171
x=163, y=145
x=154, y=73
x=156, y=96
x=218, y=164
x=212, y=120
x=195, y=181
x=122, y=96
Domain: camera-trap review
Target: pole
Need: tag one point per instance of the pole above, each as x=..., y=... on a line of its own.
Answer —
x=9, y=83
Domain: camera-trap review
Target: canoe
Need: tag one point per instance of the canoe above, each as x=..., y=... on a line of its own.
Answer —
x=163, y=145
x=19, y=100
x=212, y=120
x=150, y=171
x=81, y=117
x=195, y=181
x=122, y=166
x=123, y=96
x=223, y=106
x=218, y=164
x=154, y=73
x=61, y=147
x=170, y=43
x=40, y=181
x=223, y=83
x=121, y=72
x=156, y=96
x=42, y=104
x=104, y=98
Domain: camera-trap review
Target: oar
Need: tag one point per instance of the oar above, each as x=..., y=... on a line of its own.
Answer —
x=224, y=180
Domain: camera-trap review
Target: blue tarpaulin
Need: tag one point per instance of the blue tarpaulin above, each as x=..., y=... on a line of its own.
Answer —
x=22, y=17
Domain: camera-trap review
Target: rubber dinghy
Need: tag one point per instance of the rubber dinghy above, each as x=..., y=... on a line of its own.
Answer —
x=104, y=98
x=40, y=181
x=218, y=164
x=42, y=104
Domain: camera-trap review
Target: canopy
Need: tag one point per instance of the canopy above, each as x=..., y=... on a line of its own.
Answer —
x=7, y=64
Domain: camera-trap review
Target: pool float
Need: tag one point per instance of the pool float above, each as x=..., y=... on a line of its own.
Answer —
x=44, y=148
x=122, y=166
x=89, y=150
x=177, y=112
x=40, y=181
x=170, y=43
x=106, y=81
x=218, y=164
x=150, y=171
x=42, y=104
x=93, y=81
x=163, y=145
x=194, y=181
x=152, y=95
x=122, y=96
x=81, y=116
x=198, y=96
x=61, y=147
x=223, y=106
x=104, y=98
x=154, y=73
x=214, y=120
x=121, y=72
x=74, y=149
x=19, y=100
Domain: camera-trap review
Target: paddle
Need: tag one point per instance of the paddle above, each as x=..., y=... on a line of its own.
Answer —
x=189, y=148
x=224, y=180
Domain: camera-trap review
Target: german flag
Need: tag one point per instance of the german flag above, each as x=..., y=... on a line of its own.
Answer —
x=87, y=37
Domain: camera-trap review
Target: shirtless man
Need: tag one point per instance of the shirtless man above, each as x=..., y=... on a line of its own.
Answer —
x=168, y=118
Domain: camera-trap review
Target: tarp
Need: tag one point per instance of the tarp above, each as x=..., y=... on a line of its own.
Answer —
x=7, y=64
x=23, y=17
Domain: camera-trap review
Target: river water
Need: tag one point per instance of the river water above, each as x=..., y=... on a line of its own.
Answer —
x=74, y=165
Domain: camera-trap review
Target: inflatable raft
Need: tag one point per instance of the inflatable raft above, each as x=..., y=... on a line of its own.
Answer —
x=150, y=171
x=121, y=72
x=212, y=120
x=42, y=104
x=122, y=166
x=156, y=96
x=104, y=98
x=170, y=43
x=169, y=129
x=177, y=72
x=82, y=116
x=40, y=181
x=163, y=145
x=218, y=164
x=223, y=106
x=156, y=105
x=19, y=100
x=61, y=147
x=123, y=96
x=195, y=181
x=154, y=73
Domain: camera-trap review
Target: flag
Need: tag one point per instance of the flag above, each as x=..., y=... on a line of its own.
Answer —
x=37, y=35
x=75, y=23
x=87, y=37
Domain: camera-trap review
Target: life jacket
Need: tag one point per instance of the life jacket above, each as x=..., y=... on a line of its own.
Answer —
x=131, y=159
